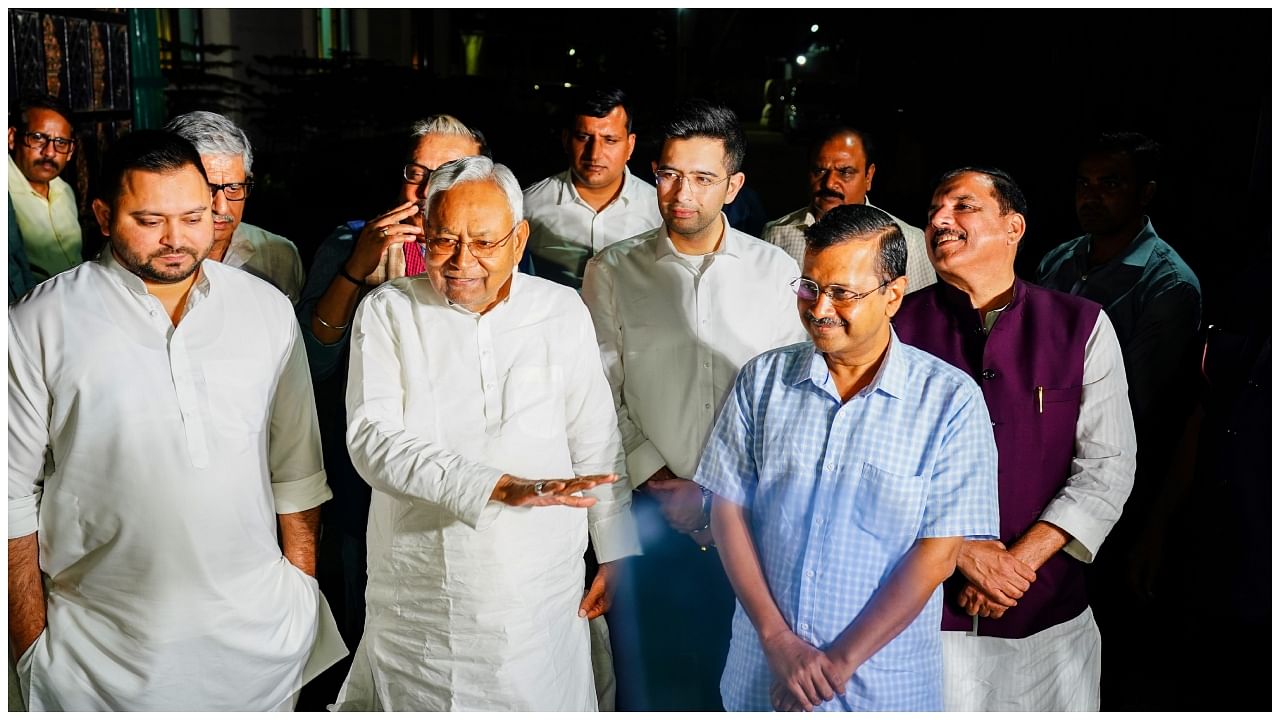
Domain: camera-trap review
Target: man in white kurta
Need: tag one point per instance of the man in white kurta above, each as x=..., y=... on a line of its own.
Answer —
x=465, y=382
x=152, y=446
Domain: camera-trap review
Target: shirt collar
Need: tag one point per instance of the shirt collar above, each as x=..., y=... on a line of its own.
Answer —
x=731, y=243
x=1136, y=253
x=19, y=181
x=890, y=379
x=569, y=191
x=242, y=245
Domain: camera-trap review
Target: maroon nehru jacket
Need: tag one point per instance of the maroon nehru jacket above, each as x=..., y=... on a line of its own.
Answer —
x=1031, y=370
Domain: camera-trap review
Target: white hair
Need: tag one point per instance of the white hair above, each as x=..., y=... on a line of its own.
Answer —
x=213, y=134
x=477, y=168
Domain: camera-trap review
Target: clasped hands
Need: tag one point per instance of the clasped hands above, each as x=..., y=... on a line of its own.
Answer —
x=681, y=503
x=997, y=578
x=804, y=676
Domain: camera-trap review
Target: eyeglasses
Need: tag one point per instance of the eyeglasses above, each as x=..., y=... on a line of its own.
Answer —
x=809, y=291
x=235, y=192
x=38, y=141
x=846, y=173
x=416, y=174
x=667, y=178
x=478, y=248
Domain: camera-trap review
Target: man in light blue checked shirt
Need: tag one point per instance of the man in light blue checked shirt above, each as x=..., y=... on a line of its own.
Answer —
x=846, y=471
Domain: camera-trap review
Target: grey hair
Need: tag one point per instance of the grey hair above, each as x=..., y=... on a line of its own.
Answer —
x=213, y=134
x=477, y=168
x=447, y=125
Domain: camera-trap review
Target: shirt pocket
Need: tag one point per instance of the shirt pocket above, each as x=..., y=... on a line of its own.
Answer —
x=889, y=506
x=533, y=401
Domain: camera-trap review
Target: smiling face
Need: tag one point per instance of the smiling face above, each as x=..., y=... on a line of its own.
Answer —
x=856, y=329
x=967, y=236
x=160, y=225
x=599, y=149
x=467, y=212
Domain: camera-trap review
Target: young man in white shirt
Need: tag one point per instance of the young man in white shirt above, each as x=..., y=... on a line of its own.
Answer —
x=677, y=311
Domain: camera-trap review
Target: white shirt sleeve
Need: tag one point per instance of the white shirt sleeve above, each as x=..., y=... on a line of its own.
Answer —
x=389, y=457
x=28, y=438
x=596, y=448
x=294, y=456
x=1089, y=505
x=642, y=456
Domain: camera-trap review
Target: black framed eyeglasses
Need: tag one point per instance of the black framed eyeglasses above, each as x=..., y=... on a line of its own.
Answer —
x=809, y=291
x=478, y=248
x=234, y=192
x=38, y=141
x=416, y=174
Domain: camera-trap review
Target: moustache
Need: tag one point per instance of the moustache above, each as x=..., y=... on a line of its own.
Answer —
x=822, y=322
x=944, y=235
x=174, y=251
x=829, y=193
x=223, y=218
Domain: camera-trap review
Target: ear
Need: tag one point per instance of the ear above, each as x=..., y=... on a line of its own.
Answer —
x=102, y=212
x=871, y=174
x=1145, y=197
x=631, y=145
x=896, y=290
x=736, y=181
x=13, y=135
x=1016, y=225
x=564, y=142
x=521, y=238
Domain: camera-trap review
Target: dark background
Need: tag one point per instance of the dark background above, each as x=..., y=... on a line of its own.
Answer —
x=937, y=89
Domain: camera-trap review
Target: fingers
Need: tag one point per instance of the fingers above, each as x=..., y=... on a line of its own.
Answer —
x=594, y=603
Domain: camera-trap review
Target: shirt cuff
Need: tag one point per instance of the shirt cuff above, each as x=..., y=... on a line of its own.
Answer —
x=643, y=462
x=1086, y=536
x=24, y=516
x=297, y=495
x=615, y=537
x=478, y=511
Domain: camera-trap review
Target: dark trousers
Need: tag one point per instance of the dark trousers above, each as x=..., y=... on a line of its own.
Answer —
x=670, y=622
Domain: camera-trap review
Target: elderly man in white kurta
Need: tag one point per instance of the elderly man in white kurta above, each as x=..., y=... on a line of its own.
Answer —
x=479, y=413
x=160, y=421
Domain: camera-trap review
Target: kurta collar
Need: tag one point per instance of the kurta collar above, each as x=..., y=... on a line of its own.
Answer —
x=134, y=284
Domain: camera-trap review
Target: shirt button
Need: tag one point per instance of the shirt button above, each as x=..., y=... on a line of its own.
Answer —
x=818, y=521
x=707, y=406
x=831, y=466
x=706, y=364
x=804, y=626
x=988, y=374
x=488, y=386
x=808, y=573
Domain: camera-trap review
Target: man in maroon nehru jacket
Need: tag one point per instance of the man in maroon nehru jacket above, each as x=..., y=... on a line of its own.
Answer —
x=1018, y=633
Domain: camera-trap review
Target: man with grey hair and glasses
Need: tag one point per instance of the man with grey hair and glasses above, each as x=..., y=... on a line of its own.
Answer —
x=480, y=414
x=227, y=156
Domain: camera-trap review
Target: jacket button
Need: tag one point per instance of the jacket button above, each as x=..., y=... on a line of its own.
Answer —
x=988, y=374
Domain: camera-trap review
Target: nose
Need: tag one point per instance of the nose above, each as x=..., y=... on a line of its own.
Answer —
x=221, y=205
x=684, y=187
x=830, y=180
x=48, y=151
x=589, y=150
x=462, y=256
x=821, y=306
x=941, y=218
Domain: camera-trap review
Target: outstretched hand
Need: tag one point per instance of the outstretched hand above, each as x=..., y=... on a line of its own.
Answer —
x=519, y=492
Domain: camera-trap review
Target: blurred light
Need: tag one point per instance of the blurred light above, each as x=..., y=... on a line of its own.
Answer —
x=813, y=28
x=568, y=85
x=572, y=52
x=801, y=60
x=535, y=87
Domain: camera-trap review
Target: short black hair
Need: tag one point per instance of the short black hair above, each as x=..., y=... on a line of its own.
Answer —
x=1008, y=194
x=868, y=148
x=596, y=103
x=846, y=223
x=18, y=114
x=157, y=151
x=1144, y=151
x=700, y=118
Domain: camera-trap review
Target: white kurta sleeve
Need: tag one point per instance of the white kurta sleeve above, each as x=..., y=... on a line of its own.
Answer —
x=389, y=457
x=294, y=455
x=643, y=458
x=1089, y=505
x=596, y=447
x=28, y=437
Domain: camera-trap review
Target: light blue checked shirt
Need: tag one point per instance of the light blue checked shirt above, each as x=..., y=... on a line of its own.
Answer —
x=837, y=493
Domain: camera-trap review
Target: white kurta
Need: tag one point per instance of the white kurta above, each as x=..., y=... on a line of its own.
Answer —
x=473, y=605
x=171, y=451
